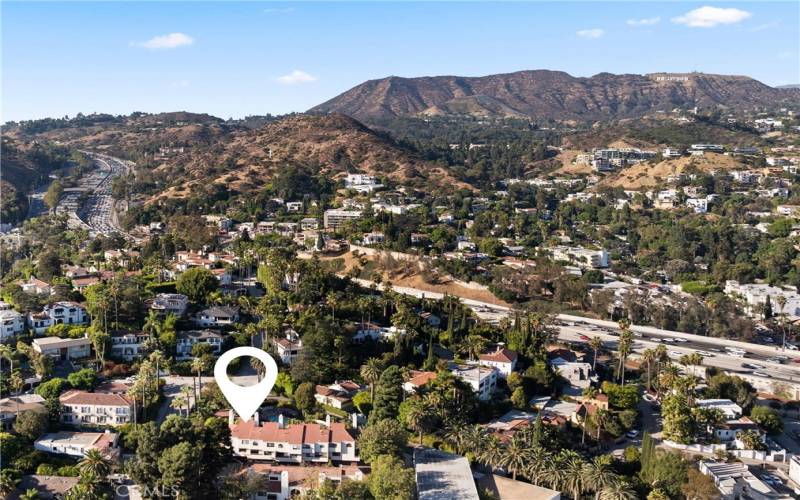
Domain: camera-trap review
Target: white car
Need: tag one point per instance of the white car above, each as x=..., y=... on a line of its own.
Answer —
x=669, y=339
x=791, y=347
x=678, y=339
x=761, y=374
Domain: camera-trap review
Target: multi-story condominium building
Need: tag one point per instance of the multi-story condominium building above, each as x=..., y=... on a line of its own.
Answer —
x=95, y=408
x=170, y=303
x=12, y=323
x=187, y=340
x=288, y=348
x=283, y=482
x=504, y=360
x=335, y=218
x=76, y=444
x=128, y=345
x=62, y=349
x=713, y=148
x=483, y=379
x=362, y=183
x=580, y=256
x=293, y=443
x=217, y=316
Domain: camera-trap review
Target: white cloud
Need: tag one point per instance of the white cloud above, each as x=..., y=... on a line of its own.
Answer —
x=708, y=17
x=591, y=33
x=295, y=77
x=765, y=26
x=648, y=21
x=170, y=41
x=180, y=84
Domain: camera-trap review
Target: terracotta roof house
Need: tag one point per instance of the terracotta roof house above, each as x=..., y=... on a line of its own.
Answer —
x=95, y=408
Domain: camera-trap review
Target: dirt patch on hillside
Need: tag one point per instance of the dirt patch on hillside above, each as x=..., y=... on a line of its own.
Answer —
x=647, y=175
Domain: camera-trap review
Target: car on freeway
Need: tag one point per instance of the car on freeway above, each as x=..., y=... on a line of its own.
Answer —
x=584, y=338
x=669, y=339
x=676, y=354
x=791, y=347
x=678, y=339
x=655, y=339
x=753, y=366
x=632, y=434
x=761, y=374
x=707, y=354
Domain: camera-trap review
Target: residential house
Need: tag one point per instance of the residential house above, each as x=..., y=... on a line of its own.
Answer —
x=729, y=431
x=339, y=395
x=35, y=286
x=46, y=487
x=288, y=348
x=283, y=482
x=128, y=345
x=12, y=406
x=217, y=316
x=734, y=481
x=170, y=303
x=579, y=376
x=375, y=332
x=67, y=313
x=76, y=444
x=580, y=256
x=483, y=379
x=335, y=218
x=188, y=339
x=503, y=359
x=12, y=324
x=63, y=349
x=731, y=410
x=418, y=380
x=95, y=408
x=294, y=443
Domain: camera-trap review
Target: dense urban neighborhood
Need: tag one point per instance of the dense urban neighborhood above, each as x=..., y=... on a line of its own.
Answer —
x=519, y=286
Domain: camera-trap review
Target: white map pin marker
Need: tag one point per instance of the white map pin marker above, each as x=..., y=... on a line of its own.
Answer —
x=245, y=400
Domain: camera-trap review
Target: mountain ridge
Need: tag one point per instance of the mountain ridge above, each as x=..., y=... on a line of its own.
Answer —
x=551, y=95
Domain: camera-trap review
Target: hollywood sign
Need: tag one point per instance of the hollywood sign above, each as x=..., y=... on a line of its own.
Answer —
x=671, y=78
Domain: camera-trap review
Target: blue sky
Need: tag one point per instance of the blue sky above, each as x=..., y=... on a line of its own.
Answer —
x=235, y=59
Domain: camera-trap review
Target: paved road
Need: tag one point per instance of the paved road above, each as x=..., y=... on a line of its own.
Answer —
x=757, y=358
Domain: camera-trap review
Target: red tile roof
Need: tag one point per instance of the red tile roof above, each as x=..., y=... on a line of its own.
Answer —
x=295, y=434
x=419, y=378
x=94, y=398
x=501, y=355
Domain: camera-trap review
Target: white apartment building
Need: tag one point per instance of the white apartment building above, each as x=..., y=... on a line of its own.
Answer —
x=755, y=296
x=12, y=324
x=170, y=303
x=292, y=481
x=699, y=205
x=483, y=379
x=582, y=257
x=376, y=332
x=76, y=444
x=95, y=408
x=373, y=238
x=502, y=359
x=62, y=349
x=335, y=218
x=288, y=348
x=128, y=345
x=362, y=183
x=293, y=443
x=188, y=339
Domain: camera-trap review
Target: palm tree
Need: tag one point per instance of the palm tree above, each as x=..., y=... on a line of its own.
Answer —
x=781, y=304
x=30, y=494
x=199, y=364
x=537, y=465
x=94, y=463
x=332, y=302
x=418, y=418
x=554, y=475
x=371, y=372
x=178, y=402
x=600, y=418
x=259, y=367
x=515, y=456
x=648, y=357
x=187, y=394
x=157, y=358
x=668, y=377
x=625, y=347
x=595, y=343
x=8, y=353
x=618, y=490
x=599, y=474
x=492, y=453
x=7, y=484
x=574, y=480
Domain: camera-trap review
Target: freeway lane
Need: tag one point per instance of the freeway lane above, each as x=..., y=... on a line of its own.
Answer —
x=572, y=327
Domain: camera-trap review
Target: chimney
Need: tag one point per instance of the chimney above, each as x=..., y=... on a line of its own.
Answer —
x=257, y=417
x=354, y=420
x=281, y=422
x=231, y=417
x=328, y=420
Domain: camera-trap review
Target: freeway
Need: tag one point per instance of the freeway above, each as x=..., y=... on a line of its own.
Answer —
x=97, y=212
x=758, y=364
